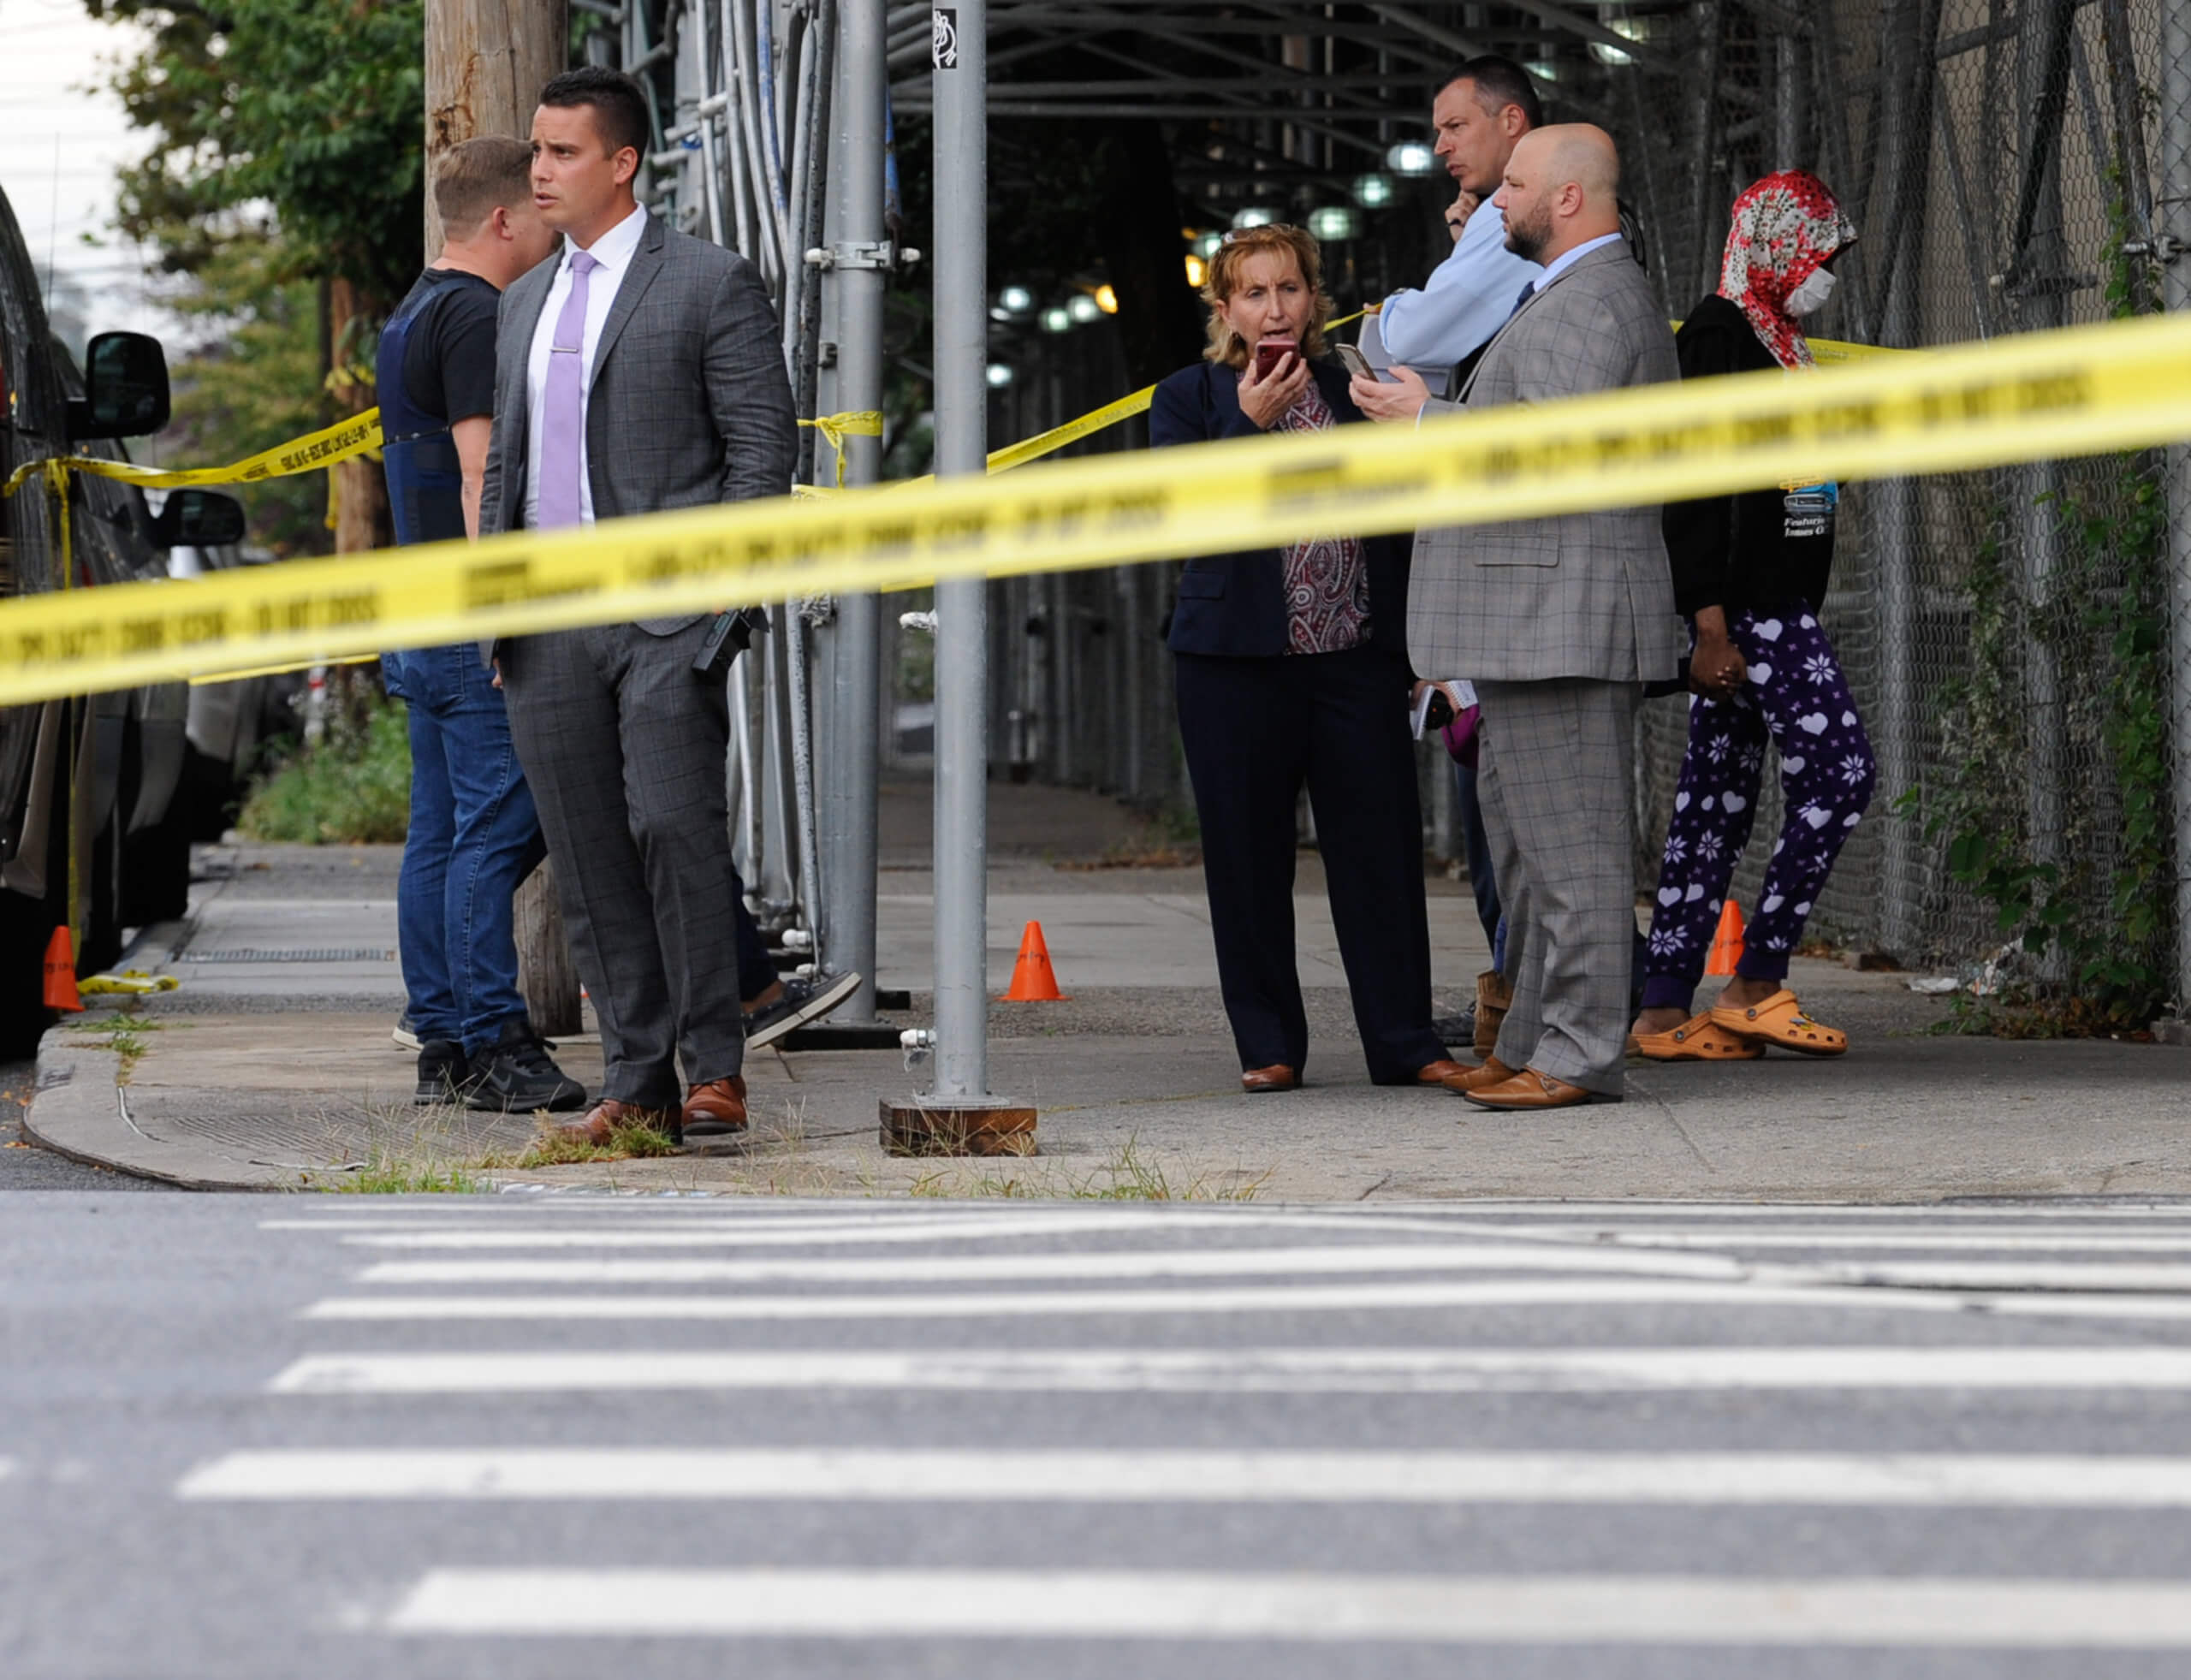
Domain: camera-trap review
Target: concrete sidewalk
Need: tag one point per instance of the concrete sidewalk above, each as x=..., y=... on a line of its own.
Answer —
x=272, y=1068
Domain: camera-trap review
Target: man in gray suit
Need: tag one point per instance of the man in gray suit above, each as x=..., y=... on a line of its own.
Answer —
x=1560, y=622
x=638, y=371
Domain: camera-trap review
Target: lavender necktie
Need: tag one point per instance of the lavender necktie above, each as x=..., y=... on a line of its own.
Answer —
x=563, y=405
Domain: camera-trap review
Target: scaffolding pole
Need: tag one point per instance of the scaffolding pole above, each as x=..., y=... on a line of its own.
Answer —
x=857, y=271
x=2172, y=221
x=960, y=69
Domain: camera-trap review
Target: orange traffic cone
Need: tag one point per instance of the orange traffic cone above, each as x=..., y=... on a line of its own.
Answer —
x=61, y=973
x=1727, y=942
x=1033, y=980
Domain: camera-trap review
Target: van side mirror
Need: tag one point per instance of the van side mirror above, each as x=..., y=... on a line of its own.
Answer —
x=197, y=520
x=125, y=389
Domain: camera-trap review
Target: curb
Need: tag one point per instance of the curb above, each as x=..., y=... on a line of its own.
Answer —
x=80, y=1110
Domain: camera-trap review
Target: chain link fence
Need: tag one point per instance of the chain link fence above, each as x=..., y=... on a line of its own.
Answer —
x=2004, y=631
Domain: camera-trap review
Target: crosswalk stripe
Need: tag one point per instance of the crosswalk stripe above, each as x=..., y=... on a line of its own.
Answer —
x=1035, y=1265
x=714, y=1229
x=2104, y=1242
x=1465, y=1610
x=1154, y=1475
x=1270, y=1297
x=1273, y=1370
x=2007, y=1214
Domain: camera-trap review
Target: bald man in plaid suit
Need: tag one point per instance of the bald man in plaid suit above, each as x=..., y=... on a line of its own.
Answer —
x=1560, y=622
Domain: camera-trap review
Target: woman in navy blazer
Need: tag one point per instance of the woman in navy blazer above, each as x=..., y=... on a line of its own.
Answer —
x=1292, y=668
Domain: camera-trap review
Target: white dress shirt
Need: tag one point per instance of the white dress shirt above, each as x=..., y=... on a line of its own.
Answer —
x=1468, y=298
x=613, y=251
x=1567, y=259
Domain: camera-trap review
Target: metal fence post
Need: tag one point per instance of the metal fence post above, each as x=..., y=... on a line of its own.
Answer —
x=2169, y=220
x=960, y=62
x=847, y=899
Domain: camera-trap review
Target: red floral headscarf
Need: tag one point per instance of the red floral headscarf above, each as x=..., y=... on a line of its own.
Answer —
x=1785, y=226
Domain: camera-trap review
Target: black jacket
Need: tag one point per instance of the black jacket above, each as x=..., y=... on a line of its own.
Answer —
x=1235, y=604
x=1760, y=549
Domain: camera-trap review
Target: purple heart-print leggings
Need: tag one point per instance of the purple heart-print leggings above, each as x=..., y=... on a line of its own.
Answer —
x=1796, y=694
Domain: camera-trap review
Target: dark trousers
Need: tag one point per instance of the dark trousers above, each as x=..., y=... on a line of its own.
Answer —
x=1255, y=731
x=1481, y=881
x=625, y=748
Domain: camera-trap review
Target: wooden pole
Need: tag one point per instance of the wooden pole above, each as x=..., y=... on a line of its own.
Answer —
x=486, y=61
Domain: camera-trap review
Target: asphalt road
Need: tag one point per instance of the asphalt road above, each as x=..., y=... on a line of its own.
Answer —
x=583, y=1436
x=25, y=1167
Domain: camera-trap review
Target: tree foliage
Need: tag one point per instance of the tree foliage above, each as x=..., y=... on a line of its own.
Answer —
x=294, y=118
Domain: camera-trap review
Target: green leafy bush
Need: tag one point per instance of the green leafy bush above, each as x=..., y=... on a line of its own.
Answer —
x=352, y=787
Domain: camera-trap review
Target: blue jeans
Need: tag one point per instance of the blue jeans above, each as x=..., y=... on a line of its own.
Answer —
x=474, y=835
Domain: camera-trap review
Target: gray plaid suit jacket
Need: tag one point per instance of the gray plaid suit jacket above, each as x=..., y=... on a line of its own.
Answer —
x=1577, y=595
x=689, y=404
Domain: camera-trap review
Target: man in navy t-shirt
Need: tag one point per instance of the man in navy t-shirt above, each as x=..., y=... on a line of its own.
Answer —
x=474, y=833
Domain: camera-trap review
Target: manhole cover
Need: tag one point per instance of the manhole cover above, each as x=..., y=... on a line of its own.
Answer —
x=325, y=954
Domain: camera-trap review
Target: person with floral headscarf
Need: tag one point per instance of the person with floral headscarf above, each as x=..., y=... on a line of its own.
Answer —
x=1750, y=575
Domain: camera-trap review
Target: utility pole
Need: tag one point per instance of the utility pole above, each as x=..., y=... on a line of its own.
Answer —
x=486, y=61
x=960, y=59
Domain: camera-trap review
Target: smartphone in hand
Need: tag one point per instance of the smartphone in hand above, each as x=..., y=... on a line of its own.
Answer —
x=1271, y=353
x=1357, y=365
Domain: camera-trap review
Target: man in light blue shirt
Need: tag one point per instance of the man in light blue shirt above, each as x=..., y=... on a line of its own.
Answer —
x=1480, y=115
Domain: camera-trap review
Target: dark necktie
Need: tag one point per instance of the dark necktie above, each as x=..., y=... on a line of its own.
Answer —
x=1523, y=302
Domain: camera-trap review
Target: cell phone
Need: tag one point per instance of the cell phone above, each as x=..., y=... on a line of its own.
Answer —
x=1270, y=352
x=1357, y=365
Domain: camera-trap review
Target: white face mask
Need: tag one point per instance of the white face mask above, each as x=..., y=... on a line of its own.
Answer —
x=1810, y=297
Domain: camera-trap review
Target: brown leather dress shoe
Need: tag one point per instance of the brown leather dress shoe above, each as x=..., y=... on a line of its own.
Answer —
x=1278, y=1076
x=1437, y=1073
x=1531, y=1090
x=1493, y=1071
x=599, y=1126
x=716, y=1108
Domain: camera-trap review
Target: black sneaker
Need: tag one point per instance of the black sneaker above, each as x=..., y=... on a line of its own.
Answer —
x=804, y=1000
x=517, y=1076
x=406, y=1035
x=444, y=1076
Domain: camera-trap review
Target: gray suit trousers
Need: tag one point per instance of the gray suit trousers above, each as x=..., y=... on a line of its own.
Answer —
x=1557, y=781
x=625, y=748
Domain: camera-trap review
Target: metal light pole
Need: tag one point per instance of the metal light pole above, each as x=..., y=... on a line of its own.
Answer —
x=960, y=61
x=2171, y=216
x=858, y=260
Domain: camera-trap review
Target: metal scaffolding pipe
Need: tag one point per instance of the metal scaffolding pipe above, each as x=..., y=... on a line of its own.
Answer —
x=960, y=74
x=2171, y=220
x=854, y=666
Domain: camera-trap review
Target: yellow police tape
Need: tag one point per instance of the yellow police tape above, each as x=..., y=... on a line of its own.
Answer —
x=2121, y=385
x=355, y=436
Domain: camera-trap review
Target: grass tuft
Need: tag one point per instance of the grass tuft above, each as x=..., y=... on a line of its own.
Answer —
x=626, y=1143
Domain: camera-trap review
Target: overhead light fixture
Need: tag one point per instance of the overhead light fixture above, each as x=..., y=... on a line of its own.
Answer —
x=1082, y=308
x=1543, y=69
x=1255, y=216
x=1630, y=28
x=1333, y=222
x=1206, y=245
x=1197, y=270
x=999, y=312
x=1057, y=319
x=1107, y=300
x=1015, y=299
x=1411, y=157
x=1000, y=376
x=1372, y=192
